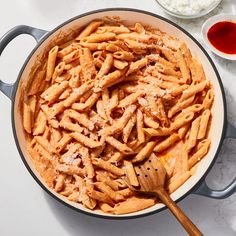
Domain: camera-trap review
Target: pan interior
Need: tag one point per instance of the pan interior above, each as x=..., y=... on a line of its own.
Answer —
x=130, y=17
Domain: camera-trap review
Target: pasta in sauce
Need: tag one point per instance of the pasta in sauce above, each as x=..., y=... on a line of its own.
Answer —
x=111, y=98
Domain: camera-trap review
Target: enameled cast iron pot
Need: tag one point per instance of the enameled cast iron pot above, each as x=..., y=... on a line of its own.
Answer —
x=220, y=128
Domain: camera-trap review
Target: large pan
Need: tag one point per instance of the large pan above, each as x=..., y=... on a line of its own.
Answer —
x=220, y=129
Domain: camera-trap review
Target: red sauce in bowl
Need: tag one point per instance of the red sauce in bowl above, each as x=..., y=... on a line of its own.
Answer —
x=222, y=36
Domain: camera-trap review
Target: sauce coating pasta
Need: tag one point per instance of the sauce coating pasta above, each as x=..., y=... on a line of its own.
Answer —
x=110, y=98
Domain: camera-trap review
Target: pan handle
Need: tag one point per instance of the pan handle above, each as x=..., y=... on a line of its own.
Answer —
x=206, y=191
x=37, y=34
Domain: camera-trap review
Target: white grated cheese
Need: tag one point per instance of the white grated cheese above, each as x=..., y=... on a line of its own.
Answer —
x=187, y=7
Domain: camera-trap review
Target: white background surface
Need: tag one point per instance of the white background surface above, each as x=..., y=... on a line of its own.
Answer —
x=26, y=210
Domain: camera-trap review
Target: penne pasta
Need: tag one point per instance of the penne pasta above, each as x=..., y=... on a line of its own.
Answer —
x=130, y=99
x=85, y=199
x=135, y=36
x=66, y=49
x=85, y=140
x=112, y=47
x=199, y=154
x=97, y=38
x=169, y=55
x=119, y=64
x=148, y=121
x=162, y=112
x=182, y=121
x=166, y=143
x=48, y=174
x=74, y=81
x=40, y=123
x=157, y=132
x=203, y=124
x=194, y=108
x=88, y=70
x=138, y=27
x=71, y=57
x=107, y=166
x=183, y=130
x=43, y=153
x=154, y=109
x=130, y=173
x=67, y=124
x=52, y=55
x=88, y=104
x=101, y=110
x=207, y=102
x=116, y=157
x=123, y=55
x=91, y=46
x=114, y=29
x=178, y=90
x=180, y=106
x=123, y=148
x=106, y=66
x=63, y=142
x=45, y=144
x=86, y=96
x=192, y=90
x=53, y=111
x=71, y=170
x=121, y=122
x=99, y=196
x=87, y=162
x=113, y=102
x=132, y=205
x=139, y=126
x=78, y=93
x=102, y=176
x=89, y=29
x=181, y=161
x=27, y=119
x=111, y=193
x=65, y=94
x=178, y=182
x=156, y=58
x=128, y=128
x=197, y=71
x=32, y=104
x=138, y=47
x=111, y=79
x=183, y=66
x=60, y=182
x=100, y=103
x=126, y=192
x=81, y=118
x=56, y=92
x=145, y=152
x=192, y=140
x=137, y=65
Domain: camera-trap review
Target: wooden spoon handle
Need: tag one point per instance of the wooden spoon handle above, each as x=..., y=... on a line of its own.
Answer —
x=178, y=213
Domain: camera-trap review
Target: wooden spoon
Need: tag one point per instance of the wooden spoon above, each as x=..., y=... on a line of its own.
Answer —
x=151, y=176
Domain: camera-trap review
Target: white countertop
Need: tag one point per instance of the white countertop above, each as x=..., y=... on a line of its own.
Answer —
x=24, y=207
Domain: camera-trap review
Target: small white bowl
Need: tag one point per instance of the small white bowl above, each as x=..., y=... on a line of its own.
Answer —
x=208, y=24
x=192, y=16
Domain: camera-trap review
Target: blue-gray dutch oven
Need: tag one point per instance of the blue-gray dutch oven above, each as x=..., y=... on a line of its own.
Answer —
x=220, y=128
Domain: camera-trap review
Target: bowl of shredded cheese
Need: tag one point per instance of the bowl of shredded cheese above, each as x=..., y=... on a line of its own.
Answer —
x=188, y=9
